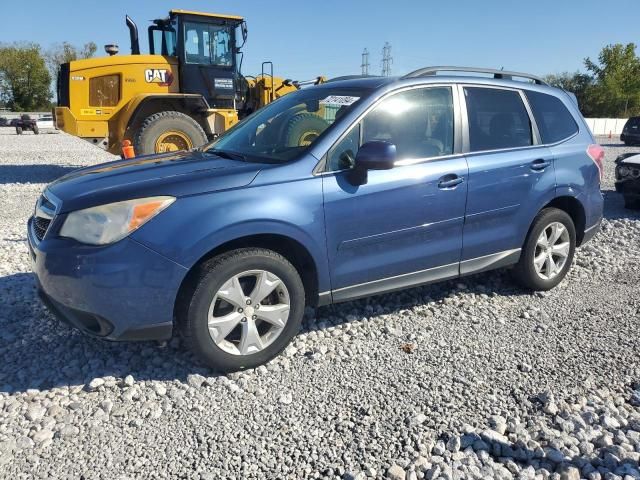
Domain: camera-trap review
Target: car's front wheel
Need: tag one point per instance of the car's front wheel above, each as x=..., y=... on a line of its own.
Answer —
x=548, y=250
x=244, y=308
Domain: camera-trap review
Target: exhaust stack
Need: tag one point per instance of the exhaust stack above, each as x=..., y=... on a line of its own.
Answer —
x=133, y=35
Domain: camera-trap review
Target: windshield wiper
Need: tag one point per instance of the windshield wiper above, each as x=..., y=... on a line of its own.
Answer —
x=226, y=154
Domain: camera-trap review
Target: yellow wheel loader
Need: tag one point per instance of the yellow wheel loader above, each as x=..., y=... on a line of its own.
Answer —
x=186, y=91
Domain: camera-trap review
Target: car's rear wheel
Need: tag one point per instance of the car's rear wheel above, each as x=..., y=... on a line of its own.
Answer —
x=244, y=309
x=548, y=251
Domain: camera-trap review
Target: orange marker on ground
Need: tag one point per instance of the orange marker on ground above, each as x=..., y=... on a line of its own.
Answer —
x=127, y=149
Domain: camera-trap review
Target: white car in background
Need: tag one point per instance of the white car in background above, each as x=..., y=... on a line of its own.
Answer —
x=45, y=122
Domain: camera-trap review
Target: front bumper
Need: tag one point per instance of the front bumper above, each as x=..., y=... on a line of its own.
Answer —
x=629, y=188
x=630, y=137
x=123, y=291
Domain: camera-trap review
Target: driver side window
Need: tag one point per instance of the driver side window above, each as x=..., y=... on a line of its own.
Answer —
x=419, y=122
x=342, y=156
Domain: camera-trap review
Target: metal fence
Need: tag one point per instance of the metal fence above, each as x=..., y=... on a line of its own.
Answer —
x=10, y=115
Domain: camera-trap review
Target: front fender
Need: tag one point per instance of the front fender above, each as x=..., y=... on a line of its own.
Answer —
x=194, y=226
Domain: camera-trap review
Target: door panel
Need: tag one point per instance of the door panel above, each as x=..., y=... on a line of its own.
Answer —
x=510, y=175
x=401, y=221
x=504, y=191
x=208, y=63
x=405, y=222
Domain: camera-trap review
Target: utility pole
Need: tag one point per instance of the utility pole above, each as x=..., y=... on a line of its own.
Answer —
x=365, y=62
x=387, y=59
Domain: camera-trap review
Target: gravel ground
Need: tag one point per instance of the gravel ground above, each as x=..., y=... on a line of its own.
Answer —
x=473, y=378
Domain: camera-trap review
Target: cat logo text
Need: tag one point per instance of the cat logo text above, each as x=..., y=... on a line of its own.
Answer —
x=160, y=76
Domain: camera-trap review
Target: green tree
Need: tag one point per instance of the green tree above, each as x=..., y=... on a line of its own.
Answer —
x=65, y=52
x=24, y=78
x=578, y=83
x=617, y=80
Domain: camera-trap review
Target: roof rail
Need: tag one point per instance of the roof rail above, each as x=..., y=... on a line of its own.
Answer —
x=350, y=77
x=503, y=74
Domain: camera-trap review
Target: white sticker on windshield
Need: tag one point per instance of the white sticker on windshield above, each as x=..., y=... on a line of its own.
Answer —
x=339, y=100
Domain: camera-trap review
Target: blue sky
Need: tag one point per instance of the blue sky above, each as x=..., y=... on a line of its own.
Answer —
x=309, y=38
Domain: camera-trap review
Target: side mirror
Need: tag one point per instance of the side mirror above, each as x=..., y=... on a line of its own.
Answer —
x=374, y=155
x=245, y=32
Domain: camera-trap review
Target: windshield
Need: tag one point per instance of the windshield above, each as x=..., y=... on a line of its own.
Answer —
x=207, y=44
x=288, y=127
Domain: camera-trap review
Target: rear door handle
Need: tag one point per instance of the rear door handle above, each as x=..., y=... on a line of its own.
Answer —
x=450, y=181
x=540, y=164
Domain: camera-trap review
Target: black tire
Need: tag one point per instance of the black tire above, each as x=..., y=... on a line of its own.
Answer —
x=145, y=138
x=212, y=275
x=18, y=130
x=36, y=130
x=524, y=272
x=303, y=128
x=631, y=203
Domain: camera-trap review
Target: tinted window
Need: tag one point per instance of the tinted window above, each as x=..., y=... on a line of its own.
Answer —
x=554, y=121
x=164, y=42
x=497, y=119
x=343, y=154
x=633, y=122
x=418, y=122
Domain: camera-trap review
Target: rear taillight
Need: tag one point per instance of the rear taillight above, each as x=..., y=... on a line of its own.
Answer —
x=596, y=153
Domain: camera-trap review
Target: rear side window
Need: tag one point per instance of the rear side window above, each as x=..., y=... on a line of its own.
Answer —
x=497, y=119
x=633, y=122
x=554, y=121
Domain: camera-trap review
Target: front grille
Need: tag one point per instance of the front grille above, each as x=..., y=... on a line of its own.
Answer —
x=40, y=226
x=44, y=213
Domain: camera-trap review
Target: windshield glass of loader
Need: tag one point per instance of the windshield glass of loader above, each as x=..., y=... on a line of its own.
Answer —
x=207, y=44
x=286, y=128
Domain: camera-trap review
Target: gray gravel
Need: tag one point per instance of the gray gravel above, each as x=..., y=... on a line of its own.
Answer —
x=472, y=378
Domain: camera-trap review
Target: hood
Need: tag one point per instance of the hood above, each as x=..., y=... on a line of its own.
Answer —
x=176, y=174
x=632, y=160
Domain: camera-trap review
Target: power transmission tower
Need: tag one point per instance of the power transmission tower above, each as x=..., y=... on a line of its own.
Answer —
x=387, y=59
x=365, y=62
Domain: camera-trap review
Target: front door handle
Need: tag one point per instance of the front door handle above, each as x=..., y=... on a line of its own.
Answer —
x=450, y=181
x=540, y=164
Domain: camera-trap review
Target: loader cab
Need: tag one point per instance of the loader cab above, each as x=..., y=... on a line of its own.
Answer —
x=207, y=48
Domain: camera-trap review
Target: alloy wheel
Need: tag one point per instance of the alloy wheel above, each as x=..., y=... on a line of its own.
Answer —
x=248, y=312
x=552, y=251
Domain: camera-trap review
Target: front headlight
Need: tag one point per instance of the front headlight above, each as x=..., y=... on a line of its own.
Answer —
x=112, y=222
x=624, y=171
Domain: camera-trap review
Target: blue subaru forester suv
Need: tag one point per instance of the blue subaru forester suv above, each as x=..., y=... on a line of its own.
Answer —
x=338, y=191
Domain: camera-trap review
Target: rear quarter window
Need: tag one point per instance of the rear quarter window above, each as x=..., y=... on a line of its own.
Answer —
x=633, y=122
x=555, y=122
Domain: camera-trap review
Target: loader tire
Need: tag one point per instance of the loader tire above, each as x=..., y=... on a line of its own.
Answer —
x=18, y=130
x=36, y=130
x=168, y=132
x=303, y=129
